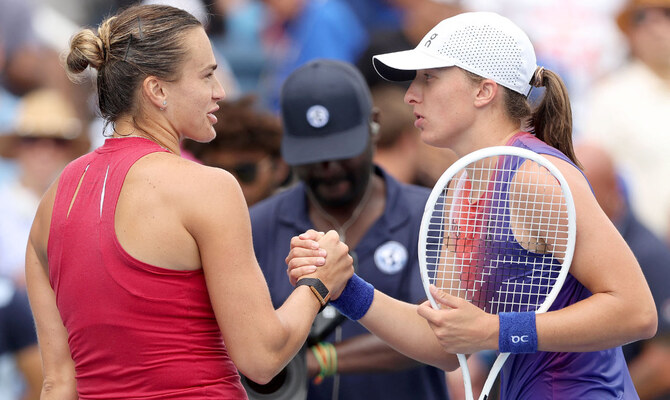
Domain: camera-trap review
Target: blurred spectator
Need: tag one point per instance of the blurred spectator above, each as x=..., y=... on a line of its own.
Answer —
x=629, y=112
x=648, y=361
x=20, y=361
x=247, y=145
x=377, y=15
x=398, y=143
x=47, y=136
x=419, y=16
x=239, y=39
x=8, y=106
x=578, y=39
x=400, y=150
x=302, y=30
x=30, y=62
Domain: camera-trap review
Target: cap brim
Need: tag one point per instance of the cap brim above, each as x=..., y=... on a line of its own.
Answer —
x=334, y=146
x=401, y=66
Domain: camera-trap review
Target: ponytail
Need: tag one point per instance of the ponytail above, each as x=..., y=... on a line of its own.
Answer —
x=551, y=121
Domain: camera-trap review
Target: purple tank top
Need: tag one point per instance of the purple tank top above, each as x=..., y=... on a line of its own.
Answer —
x=543, y=375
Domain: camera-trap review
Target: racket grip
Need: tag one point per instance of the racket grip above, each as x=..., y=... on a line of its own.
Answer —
x=356, y=298
x=518, y=333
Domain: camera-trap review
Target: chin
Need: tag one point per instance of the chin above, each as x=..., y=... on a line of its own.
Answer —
x=203, y=137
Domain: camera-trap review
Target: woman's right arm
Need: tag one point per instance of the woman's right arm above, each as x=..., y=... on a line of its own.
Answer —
x=259, y=339
x=57, y=364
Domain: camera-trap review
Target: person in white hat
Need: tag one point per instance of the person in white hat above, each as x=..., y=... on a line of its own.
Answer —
x=48, y=134
x=471, y=77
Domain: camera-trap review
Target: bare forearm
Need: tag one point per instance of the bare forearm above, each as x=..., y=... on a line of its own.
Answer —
x=593, y=324
x=269, y=345
x=398, y=324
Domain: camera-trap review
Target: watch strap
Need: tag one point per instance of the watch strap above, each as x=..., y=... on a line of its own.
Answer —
x=318, y=288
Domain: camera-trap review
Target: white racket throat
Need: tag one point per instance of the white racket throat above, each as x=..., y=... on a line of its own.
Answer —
x=498, y=230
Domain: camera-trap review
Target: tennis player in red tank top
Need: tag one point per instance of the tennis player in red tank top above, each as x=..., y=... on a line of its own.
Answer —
x=140, y=265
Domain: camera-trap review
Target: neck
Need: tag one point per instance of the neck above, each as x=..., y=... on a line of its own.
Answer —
x=135, y=128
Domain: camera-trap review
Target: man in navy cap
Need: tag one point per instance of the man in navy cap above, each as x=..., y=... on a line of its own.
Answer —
x=330, y=129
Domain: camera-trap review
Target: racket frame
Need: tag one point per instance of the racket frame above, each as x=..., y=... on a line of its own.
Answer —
x=435, y=194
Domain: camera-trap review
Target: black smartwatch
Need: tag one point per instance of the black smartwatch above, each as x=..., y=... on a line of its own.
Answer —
x=318, y=288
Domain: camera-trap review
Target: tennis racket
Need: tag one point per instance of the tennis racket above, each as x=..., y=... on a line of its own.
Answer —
x=498, y=230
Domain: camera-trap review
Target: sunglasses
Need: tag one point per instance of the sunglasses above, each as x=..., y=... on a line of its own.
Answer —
x=33, y=140
x=246, y=172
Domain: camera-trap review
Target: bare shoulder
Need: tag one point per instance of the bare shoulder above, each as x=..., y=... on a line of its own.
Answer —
x=39, y=233
x=204, y=194
x=183, y=180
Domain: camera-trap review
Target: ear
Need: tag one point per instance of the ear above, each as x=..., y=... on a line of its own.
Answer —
x=375, y=116
x=153, y=89
x=486, y=92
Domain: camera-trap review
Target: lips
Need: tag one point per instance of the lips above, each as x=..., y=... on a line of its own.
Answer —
x=419, y=120
x=210, y=115
x=212, y=118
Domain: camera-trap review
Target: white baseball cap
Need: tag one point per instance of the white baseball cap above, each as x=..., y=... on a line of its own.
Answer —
x=484, y=43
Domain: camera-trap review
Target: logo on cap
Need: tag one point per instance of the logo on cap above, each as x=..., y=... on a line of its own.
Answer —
x=318, y=116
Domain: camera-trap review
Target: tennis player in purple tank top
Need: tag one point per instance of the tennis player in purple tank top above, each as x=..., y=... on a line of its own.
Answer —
x=471, y=78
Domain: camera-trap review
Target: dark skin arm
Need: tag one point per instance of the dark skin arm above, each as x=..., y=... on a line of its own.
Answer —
x=364, y=353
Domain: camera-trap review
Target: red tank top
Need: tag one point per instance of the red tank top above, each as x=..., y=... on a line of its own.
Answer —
x=135, y=331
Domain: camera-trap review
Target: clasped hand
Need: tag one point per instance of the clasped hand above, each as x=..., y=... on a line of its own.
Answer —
x=320, y=255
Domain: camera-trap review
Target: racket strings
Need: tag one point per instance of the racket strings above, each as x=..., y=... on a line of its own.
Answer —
x=497, y=235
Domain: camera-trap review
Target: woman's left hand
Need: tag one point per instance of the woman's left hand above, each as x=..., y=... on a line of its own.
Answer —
x=460, y=326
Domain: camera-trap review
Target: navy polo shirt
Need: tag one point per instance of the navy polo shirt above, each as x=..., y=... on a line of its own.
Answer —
x=653, y=256
x=17, y=332
x=386, y=257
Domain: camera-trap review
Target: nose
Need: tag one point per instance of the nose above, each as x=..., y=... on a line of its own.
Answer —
x=218, y=93
x=412, y=94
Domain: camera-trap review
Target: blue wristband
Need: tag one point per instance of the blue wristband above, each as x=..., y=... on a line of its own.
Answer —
x=355, y=299
x=518, y=333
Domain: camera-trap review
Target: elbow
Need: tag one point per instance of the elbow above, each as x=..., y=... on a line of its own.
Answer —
x=262, y=372
x=648, y=324
x=61, y=389
x=642, y=322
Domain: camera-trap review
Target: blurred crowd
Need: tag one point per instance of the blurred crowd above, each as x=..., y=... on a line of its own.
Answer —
x=614, y=55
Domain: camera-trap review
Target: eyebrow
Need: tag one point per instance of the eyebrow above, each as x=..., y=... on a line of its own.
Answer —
x=211, y=67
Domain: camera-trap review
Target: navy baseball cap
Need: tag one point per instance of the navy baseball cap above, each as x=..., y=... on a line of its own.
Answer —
x=325, y=110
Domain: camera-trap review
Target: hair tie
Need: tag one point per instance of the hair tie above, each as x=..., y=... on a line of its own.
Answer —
x=538, y=77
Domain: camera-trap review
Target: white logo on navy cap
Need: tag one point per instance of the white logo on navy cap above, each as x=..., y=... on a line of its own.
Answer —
x=391, y=257
x=665, y=311
x=318, y=116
